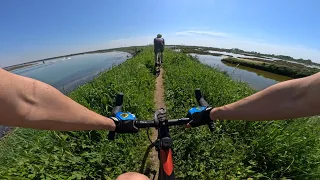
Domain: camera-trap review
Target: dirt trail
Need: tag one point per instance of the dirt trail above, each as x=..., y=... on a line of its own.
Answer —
x=159, y=103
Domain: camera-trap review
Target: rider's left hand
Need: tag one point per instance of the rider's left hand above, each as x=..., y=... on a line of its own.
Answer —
x=125, y=122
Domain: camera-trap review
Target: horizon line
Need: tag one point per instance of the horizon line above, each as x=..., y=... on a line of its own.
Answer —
x=80, y=53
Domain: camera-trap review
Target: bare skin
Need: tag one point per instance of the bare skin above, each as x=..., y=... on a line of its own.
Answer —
x=289, y=99
x=29, y=103
x=132, y=176
x=26, y=102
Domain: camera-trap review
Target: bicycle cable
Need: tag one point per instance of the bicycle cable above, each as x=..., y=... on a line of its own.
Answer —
x=147, y=129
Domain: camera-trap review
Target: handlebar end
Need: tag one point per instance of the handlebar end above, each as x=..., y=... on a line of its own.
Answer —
x=198, y=93
x=211, y=126
x=111, y=135
x=115, y=110
x=119, y=99
x=203, y=102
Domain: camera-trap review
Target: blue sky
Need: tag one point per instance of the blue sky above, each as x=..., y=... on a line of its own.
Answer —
x=35, y=29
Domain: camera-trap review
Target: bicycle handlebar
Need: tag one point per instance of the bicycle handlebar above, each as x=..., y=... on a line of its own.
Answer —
x=203, y=102
x=117, y=108
x=171, y=122
x=153, y=123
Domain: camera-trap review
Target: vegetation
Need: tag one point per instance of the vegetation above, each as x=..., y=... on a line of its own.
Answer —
x=204, y=51
x=278, y=67
x=32, y=154
x=283, y=57
x=238, y=149
x=251, y=53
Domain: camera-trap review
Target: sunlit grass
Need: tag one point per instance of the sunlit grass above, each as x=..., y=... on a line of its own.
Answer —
x=33, y=154
x=238, y=149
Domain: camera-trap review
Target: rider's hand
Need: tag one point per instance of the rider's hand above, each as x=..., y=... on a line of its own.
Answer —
x=199, y=116
x=125, y=122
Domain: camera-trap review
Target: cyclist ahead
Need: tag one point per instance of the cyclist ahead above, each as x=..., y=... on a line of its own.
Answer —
x=158, y=44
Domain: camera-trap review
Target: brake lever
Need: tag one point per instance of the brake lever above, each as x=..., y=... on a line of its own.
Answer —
x=117, y=108
x=159, y=116
x=203, y=102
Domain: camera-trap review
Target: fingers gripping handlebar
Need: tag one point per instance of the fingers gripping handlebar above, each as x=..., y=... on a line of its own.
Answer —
x=203, y=102
x=117, y=108
x=143, y=124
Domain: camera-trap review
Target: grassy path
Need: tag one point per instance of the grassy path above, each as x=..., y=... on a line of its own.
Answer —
x=159, y=103
x=237, y=150
x=33, y=154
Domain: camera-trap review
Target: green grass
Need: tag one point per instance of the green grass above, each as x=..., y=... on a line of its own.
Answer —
x=32, y=154
x=238, y=149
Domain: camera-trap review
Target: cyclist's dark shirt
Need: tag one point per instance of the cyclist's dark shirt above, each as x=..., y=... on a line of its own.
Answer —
x=158, y=44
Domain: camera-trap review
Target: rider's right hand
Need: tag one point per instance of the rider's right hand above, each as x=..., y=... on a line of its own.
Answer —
x=125, y=122
x=199, y=116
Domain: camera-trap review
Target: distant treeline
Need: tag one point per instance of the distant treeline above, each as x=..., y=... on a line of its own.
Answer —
x=199, y=51
x=278, y=67
x=250, y=53
x=10, y=68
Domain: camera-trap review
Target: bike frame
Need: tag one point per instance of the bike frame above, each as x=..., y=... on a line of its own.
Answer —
x=163, y=144
x=164, y=147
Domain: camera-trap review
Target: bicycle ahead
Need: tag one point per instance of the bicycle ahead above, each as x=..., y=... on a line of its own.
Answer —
x=158, y=62
x=163, y=143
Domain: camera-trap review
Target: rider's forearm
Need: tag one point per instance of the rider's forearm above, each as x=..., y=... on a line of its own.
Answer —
x=30, y=103
x=289, y=99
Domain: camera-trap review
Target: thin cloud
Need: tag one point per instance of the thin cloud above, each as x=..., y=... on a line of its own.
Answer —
x=203, y=33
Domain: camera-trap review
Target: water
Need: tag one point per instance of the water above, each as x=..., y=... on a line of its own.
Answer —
x=242, y=56
x=256, y=79
x=67, y=74
x=264, y=58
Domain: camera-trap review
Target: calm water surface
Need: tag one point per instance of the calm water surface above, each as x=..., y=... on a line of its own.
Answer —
x=264, y=58
x=66, y=74
x=256, y=79
x=242, y=56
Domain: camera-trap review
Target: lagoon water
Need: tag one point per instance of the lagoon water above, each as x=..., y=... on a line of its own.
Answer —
x=256, y=79
x=66, y=74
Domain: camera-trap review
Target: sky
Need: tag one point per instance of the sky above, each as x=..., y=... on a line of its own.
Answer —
x=37, y=29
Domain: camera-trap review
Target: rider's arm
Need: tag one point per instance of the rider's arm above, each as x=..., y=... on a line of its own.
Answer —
x=26, y=102
x=289, y=99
